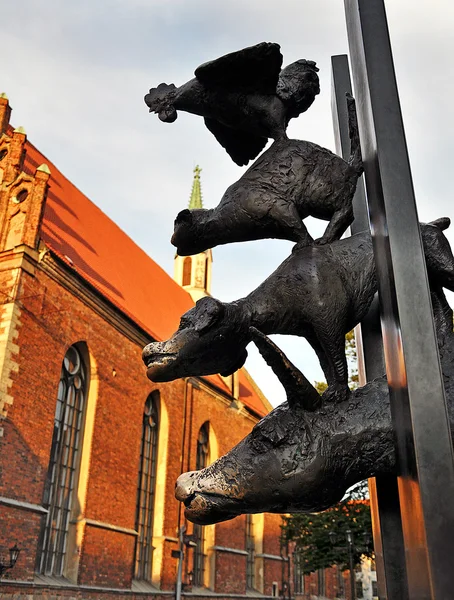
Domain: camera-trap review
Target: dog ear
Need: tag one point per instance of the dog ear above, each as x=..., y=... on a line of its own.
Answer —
x=208, y=312
x=238, y=364
x=442, y=223
x=184, y=216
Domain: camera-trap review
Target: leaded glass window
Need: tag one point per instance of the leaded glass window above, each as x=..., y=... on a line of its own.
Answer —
x=250, y=549
x=146, y=488
x=198, y=569
x=61, y=481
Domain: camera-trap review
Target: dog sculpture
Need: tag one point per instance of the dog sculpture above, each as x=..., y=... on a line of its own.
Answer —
x=244, y=98
x=290, y=181
x=318, y=292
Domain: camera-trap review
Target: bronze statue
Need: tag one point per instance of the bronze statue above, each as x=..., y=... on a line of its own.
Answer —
x=318, y=292
x=244, y=98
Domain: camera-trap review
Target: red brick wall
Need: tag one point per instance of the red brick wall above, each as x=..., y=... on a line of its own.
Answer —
x=106, y=559
x=21, y=527
x=230, y=573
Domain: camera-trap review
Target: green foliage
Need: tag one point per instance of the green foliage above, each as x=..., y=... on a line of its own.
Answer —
x=310, y=532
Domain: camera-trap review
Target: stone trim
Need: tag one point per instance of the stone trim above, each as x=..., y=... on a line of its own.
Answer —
x=271, y=557
x=102, y=525
x=9, y=326
x=231, y=550
x=53, y=585
x=23, y=505
x=124, y=591
x=208, y=594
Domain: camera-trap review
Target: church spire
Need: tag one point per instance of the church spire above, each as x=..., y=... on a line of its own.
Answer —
x=193, y=273
x=196, y=194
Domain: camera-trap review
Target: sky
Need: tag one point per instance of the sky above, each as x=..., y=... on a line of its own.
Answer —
x=76, y=74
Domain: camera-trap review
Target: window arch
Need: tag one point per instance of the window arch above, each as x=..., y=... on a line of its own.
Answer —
x=187, y=270
x=146, y=489
x=198, y=568
x=63, y=471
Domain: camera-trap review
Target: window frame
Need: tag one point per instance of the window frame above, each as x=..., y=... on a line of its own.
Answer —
x=146, y=488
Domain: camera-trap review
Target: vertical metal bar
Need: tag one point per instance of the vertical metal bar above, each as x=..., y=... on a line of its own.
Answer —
x=418, y=407
x=383, y=491
x=352, y=572
x=179, y=581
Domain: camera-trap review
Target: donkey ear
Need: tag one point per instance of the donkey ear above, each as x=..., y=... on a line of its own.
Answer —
x=208, y=312
x=298, y=389
x=442, y=223
x=184, y=216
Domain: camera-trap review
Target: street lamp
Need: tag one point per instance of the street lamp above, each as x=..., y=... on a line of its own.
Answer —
x=351, y=550
x=13, y=556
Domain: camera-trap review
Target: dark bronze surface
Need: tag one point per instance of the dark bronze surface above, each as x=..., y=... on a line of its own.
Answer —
x=244, y=97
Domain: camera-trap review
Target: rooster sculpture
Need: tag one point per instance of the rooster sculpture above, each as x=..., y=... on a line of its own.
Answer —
x=244, y=97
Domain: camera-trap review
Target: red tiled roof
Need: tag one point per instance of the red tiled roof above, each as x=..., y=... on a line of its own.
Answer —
x=82, y=236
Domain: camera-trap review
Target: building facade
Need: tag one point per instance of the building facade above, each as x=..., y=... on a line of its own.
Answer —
x=90, y=449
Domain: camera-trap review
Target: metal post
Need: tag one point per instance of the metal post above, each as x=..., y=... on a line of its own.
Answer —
x=383, y=491
x=178, y=586
x=418, y=407
x=352, y=571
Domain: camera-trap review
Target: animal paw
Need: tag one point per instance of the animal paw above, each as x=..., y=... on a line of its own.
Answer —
x=337, y=393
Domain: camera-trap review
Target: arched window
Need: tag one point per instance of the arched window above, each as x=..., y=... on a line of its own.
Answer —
x=250, y=549
x=146, y=488
x=61, y=483
x=198, y=568
x=187, y=270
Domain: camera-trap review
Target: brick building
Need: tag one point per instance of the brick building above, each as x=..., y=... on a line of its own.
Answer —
x=89, y=448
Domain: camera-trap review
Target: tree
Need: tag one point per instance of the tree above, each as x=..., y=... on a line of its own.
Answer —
x=310, y=532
